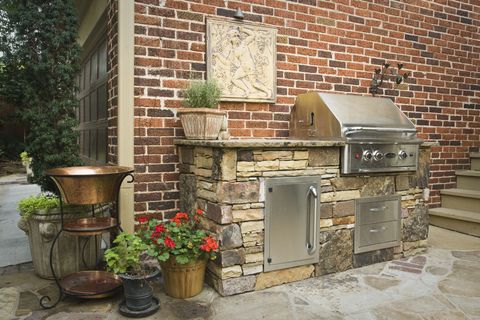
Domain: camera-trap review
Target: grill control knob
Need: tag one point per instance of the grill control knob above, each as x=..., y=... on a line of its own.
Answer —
x=377, y=155
x=367, y=155
x=402, y=154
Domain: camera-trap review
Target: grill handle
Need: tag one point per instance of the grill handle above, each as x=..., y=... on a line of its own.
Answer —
x=354, y=130
x=312, y=243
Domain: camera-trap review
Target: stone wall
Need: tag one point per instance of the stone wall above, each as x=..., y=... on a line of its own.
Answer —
x=228, y=183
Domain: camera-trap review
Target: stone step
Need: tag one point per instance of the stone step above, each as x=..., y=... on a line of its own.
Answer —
x=458, y=220
x=468, y=179
x=475, y=160
x=461, y=199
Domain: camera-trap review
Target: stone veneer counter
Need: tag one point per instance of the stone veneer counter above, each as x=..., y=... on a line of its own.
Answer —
x=260, y=143
x=226, y=179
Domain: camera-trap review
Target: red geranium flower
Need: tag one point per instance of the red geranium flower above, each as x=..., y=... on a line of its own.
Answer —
x=209, y=244
x=142, y=219
x=181, y=215
x=178, y=218
x=200, y=212
x=159, y=228
x=169, y=242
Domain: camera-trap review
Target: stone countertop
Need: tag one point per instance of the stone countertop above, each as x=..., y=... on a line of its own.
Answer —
x=260, y=143
x=271, y=143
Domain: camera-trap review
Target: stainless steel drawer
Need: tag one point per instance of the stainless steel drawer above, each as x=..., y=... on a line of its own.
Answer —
x=379, y=233
x=377, y=223
x=378, y=211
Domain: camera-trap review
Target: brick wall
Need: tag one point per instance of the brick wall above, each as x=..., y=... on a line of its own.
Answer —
x=112, y=81
x=321, y=45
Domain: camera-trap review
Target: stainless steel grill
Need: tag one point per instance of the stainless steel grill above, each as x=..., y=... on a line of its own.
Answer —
x=378, y=136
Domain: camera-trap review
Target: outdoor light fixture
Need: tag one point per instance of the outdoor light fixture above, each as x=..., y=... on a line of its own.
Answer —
x=239, y=14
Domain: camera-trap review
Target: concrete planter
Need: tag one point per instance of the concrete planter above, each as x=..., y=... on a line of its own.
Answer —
x=201, y=123
x=42, y=228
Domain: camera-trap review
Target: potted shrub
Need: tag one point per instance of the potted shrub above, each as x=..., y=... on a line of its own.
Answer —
x=199, y=119
x=182, y=250
x=41, y=220
x=127, y=260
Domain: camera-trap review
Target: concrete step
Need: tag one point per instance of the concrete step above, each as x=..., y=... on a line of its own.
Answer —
x=468, y=179
x=461, y=199
x=458, y=220
x=475, y=160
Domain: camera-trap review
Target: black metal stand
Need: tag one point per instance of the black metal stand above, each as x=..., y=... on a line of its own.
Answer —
x=92, y=280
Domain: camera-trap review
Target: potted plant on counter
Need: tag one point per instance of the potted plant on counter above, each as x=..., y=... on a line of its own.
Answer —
x=199, y=118
x=127, y=259
x=182, y=250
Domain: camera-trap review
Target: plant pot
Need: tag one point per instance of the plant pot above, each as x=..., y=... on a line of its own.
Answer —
x=42, y=227
x=183, y=280
x=201, y=123
x=139, y=300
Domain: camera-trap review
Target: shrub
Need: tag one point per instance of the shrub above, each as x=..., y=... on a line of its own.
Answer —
x=202, y=94
x=40, y=61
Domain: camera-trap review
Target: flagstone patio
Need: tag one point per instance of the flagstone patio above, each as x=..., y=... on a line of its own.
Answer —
x=441, y=283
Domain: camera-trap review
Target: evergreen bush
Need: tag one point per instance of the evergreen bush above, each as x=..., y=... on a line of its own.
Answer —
x=40, y=61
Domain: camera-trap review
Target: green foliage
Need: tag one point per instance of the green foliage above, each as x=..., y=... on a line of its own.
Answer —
x=24, y=156
x=126, y=255
x=180, y=237
x=33, y=204
x=40, y=61
x=202, y=94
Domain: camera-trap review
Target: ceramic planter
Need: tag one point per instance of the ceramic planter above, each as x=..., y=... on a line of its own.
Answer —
x=183, y=280
x=201, y=123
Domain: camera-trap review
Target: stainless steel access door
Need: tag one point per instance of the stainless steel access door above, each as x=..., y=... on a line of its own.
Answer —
x=292, y=213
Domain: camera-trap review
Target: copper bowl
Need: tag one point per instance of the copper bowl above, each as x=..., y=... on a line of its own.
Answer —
x=90, y=226
x=91, y=284
x=89, y=184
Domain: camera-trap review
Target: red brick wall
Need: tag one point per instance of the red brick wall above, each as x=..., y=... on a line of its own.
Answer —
x=321, y=45
x=112, y=82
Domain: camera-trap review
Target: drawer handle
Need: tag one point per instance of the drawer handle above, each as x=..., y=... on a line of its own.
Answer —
x=378, y=209
x=378, y=230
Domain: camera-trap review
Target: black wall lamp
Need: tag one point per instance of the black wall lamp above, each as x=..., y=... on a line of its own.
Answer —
x=387, y=73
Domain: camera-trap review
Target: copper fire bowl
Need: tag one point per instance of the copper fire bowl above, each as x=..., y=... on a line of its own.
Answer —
x=91, y=284
x=88, y=184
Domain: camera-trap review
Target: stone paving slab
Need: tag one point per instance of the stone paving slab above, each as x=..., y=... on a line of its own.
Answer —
x=437, y=284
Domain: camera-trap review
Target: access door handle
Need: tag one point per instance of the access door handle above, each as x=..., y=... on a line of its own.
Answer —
x=378, y=209
x=378, y=230
x=312, y=243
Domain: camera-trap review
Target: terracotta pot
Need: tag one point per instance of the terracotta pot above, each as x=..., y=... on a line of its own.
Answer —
x=183, y=280
x=201, y=123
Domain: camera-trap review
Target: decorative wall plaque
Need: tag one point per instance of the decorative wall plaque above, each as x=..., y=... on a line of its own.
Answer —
x=242, y=58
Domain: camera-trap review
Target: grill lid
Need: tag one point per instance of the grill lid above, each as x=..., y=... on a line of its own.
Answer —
x=327, y=115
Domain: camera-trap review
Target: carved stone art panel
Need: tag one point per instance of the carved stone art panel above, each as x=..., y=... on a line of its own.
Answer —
x=242, y=58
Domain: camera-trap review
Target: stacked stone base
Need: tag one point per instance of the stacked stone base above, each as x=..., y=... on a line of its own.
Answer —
x=226, y=179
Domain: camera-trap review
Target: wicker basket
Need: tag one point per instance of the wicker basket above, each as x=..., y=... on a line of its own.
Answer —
x=201, y=123
x=183, y=280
